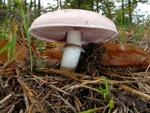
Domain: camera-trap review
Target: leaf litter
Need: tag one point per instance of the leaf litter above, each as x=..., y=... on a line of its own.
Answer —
x=94, y=87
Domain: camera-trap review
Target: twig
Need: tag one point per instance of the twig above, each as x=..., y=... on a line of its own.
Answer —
x=21, y=111
x=131, y=90
x=60, y=90
x=66, y=102
x=47, y=95
x=77, y=103
x=6, y=98
x=71, y=75
x=26, y=101
x=147, y=68
x=112, y=82
x=11, y=109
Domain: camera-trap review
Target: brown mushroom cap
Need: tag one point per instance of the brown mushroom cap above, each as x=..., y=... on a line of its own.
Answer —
x=53, y=26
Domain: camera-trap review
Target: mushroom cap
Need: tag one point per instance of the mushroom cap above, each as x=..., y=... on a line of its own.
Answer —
x=53, y=26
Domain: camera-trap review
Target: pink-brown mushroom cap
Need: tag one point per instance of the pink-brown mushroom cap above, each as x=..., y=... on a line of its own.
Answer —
x=53, y=26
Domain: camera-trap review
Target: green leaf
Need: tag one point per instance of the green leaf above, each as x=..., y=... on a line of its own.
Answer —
x=105, y=91
x=111, y=105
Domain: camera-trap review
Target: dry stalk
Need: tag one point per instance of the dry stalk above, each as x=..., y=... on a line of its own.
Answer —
x=112, y=82
x=6, y=98
x=136, y=92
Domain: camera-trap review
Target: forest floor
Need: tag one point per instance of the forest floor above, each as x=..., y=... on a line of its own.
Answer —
x=93, y=88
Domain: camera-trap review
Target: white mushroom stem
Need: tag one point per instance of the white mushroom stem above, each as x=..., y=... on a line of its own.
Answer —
x=72, y=51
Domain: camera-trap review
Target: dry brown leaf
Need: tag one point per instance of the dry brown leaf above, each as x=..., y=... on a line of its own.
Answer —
x=20, y=55
x=124, y=55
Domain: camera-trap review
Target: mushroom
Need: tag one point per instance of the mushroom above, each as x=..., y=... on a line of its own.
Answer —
x=75, y=27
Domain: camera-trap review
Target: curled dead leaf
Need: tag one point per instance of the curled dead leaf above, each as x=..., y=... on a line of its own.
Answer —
x=123, y=55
